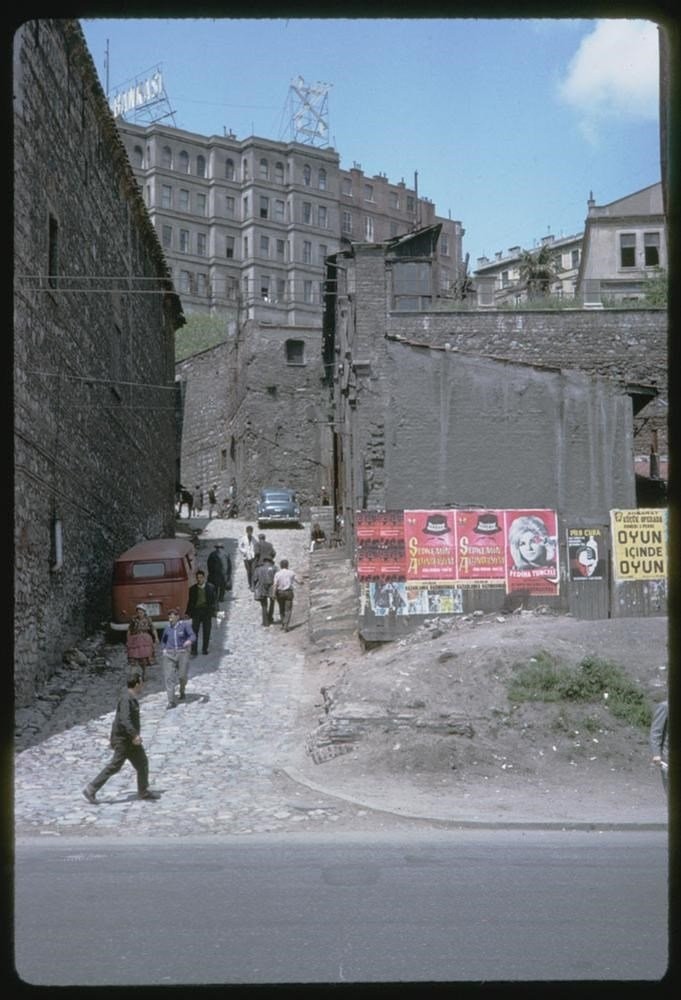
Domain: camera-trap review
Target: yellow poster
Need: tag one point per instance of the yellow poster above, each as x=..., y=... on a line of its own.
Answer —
x=639, y=544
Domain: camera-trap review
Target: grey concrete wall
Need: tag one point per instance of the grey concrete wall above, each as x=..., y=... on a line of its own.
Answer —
x=93, y=352
x=470, y=432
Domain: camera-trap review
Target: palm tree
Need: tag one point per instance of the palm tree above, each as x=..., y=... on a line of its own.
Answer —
x=537, y=269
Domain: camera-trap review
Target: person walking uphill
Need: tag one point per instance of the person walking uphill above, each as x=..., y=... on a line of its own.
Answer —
x=201, y=607
x=140, y=641
x=282, y=588
x=220, y=570
x=126, y=742
x=659, y=739
x=263, y=580
x=176, y=642
x=247, y=552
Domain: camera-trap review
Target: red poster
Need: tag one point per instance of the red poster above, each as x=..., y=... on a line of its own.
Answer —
x=380, y=544
x=430, y=545
x=532, y=551
x=481, y=545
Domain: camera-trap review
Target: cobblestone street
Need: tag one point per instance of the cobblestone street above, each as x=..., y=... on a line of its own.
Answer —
x=218, y=759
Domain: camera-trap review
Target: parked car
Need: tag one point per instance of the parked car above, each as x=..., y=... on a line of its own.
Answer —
x=277, y=505
x=157, y=574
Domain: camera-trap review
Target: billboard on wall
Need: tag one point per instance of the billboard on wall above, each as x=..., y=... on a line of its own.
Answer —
x=639, y=544
x=420, y=561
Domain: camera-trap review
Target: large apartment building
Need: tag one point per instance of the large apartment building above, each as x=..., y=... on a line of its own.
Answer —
x=246, y=225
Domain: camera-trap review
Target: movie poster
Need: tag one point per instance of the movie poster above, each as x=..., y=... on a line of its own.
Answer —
x=430, y=547
x=480, y=546
x=532, y=552
x=586, y=553
x=380, y=544
x=639, y=544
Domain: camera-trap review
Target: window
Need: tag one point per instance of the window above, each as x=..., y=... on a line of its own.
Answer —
x=627, y=249
x=410, y=202
x=229, y=169
x=184, y=162
x=346, y=186
x=202, y=285
x=184, y=200
x=200, y=166
x=651, y=249
x=264, y=169
x=185, y=282
x=265, y=287
x=574, y=258
x=184, y=241
x=393, y=229
x=230, y=205
x=444, y=246
x=322, y=216
x=307, y=212
x=505, y=280
x=281, y=250
x=412, y=283
x=281, y=290
x=323, y=252
x=229, y=246
x=295, y=352
x=394, y=199
x=201, y=244
x=200, y=204
x=279, y=210
x=166, y=196
x=347, y=222
x=245, y=204
x=368, y=229
x=368, y=192
x=245, y=246
x=167, y=236
x=264, y=207
x=322, y=179
x=52, y=252
x=244, y=170
x=167, y=158
x=307, y=252
x=264, y=246
x=307, y=175
x=279, y=172
x=307, y=292
x=138, y=156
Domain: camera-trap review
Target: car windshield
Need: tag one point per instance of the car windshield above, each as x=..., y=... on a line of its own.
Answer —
x=271, y=495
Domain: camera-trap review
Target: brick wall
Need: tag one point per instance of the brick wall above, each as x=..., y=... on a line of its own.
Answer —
x=93, y=352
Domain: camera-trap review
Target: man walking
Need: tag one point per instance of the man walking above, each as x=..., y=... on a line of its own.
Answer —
x=220, y=570
x=264, y=550
x=176, y=642
x=263, y=580
x=659, y=740
x=126, y=742
x=201, y=607
x=282, y=588
x=247, y=551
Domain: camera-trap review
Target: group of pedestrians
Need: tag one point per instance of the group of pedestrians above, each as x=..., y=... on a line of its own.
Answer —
x=269, y=584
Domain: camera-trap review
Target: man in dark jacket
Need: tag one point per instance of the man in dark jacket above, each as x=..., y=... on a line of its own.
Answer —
x=220, y=570
x=127, y=744
x=264, y=551
x=201, y=607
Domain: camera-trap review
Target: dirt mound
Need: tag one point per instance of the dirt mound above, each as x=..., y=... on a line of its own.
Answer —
x=433, y=712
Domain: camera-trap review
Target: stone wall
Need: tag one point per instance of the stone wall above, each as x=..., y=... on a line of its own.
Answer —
x=207, y=448
x=93, y=353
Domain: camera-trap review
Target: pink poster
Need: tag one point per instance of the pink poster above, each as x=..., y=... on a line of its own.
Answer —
x=430, y=544
x=532, y=551
x=481, y=545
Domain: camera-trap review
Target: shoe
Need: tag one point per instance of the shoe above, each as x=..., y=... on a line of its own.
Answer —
x=204, y=652
x=171, y=704
x=182, y=696
x=90, y=795
x=149, y=794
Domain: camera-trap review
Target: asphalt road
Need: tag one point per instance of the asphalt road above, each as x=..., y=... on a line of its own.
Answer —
x=410, y=907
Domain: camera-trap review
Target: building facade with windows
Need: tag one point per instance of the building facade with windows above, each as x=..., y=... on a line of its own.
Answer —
x=624, y=246
x=500, y=282
x=246, y=225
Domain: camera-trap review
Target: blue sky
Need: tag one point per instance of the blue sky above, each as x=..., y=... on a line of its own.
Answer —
x=509, y=123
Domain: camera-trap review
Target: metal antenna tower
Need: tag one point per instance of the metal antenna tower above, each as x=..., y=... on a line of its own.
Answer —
x=143, y=99
x=309, y=112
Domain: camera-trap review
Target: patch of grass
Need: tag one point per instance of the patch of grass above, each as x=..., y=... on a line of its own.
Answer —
x=545, y=678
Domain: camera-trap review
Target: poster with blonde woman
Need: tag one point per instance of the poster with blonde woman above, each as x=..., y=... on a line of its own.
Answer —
x=532, y=551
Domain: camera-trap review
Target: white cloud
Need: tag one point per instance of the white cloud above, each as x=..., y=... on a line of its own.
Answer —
x=614, y=73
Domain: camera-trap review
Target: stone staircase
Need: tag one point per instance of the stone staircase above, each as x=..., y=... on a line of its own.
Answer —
x=333, y=597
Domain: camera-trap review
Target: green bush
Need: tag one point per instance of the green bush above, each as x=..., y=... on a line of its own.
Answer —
x=545, y=679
